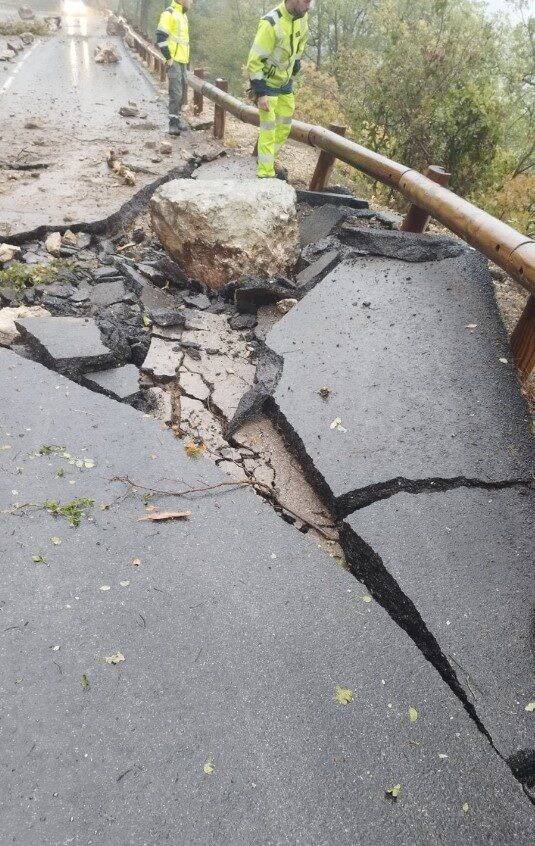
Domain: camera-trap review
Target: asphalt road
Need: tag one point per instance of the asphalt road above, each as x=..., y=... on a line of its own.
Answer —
x=76, y=102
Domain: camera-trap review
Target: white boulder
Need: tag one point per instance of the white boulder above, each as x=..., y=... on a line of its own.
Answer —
x=219, y=230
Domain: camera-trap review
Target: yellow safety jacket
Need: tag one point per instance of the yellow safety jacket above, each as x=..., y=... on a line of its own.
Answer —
x=172, y=35
x=276, y=52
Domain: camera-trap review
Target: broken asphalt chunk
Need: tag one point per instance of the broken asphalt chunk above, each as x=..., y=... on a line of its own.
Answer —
x=119, y=383
x=70, y=345
x=320, y=223
x=405, y=246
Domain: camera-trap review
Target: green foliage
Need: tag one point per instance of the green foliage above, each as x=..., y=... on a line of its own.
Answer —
x=21, y=276
x=73, y=511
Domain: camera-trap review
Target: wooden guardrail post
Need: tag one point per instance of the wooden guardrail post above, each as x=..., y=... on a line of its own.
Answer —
x=523, y=339
x=198, y=99
x=219, y=112
x=325, y=163
x=416, y=218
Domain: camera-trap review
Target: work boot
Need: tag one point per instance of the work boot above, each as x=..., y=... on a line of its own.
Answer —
x=281, y=173
x=174, y=127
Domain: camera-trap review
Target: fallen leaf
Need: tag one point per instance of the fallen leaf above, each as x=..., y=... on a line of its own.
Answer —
x=366, y=598
x=337, y=424
x=471, y=326
x=55, y=649
x=56, y=541
x=165, y=515
x=88, y=462
x=85, y=682
x=146, y=320
x=194, y=450
x=60, y=473
x=530, y=707
x=503, y=360
x=39, y=559
x=104, y=587
x=413, y=714
x=343, y=695
x=136, y=562
x=208, y=767
x=5, y=447
x=125, y=583
x=325, y=393
x=466, y=807
x=394, y=791
x=116, y=658
x=104, y=506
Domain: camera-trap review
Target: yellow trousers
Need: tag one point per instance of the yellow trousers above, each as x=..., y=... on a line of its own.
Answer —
x=275, y=125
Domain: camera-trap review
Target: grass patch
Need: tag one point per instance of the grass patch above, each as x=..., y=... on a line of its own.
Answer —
x=73, y=510
x=22, y=276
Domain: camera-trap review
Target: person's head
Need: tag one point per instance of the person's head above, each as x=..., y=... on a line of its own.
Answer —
x=298, y=8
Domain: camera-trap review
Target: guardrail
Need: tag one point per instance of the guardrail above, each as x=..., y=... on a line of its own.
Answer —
x=511, y=250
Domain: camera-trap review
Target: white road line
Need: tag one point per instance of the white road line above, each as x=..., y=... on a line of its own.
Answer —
x=9, y=81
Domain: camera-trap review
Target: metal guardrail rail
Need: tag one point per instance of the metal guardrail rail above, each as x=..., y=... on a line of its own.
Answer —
x=509, y=249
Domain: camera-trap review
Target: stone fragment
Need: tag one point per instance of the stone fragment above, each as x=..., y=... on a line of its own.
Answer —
x=8, y=331
x=107, y=293
x=193, y=385
x=26, y=13
x=53, y=243
x=226, y=229
x=242, y=321
x=133, y=280
x=320, y=223
x=71, y=345
x=120, y=383
x=163, y=360
x=250, y=294
x=264, y=475
x=200, y=301
x=405, y=246
x=106, y=55
x=169, y=317
x=15, y=43
x=284, y=306
x=315, y=272
x=107, y=272
x=129, y=111
x=166, y=148
x=8, y=253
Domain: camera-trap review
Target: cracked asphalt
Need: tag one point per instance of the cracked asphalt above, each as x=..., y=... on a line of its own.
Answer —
x=221, y=679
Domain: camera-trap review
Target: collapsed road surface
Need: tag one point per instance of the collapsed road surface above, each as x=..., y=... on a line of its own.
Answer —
x=297, y=606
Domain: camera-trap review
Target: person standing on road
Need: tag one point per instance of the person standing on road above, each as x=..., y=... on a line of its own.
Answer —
x=274, y=60
x=172, y=38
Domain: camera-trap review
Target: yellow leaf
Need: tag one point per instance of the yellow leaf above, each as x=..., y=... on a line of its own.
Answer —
x=466, y=807
x=194, y=450
x=530, y=707
x=343, y=695
x=208, y=767
x=85, y=682
x=56, y=541
x=116, y=658
x=394, y=791
x=366, y=598
x=413, y=714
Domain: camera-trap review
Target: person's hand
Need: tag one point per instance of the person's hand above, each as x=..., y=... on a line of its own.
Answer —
x=169, y=63
x=263, y=103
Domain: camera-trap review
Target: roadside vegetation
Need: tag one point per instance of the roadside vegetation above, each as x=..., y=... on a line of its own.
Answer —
x=13, y=27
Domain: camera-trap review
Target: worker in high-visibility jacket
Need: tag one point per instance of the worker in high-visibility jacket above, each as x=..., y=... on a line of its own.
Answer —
x=274, y=60
x=172, y=37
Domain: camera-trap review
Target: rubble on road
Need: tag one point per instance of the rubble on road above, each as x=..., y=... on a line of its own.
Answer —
x=227, y=229
x=26, y=13
x=129, y=111
x=27, y=38
x=113, y=26
x=120, y=383
x=8, y=252
x=69, y=345
x=115, y=164
x=106, y=55
x=53, y=243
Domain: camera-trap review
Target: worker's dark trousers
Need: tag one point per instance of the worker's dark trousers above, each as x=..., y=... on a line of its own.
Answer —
x=177, y=90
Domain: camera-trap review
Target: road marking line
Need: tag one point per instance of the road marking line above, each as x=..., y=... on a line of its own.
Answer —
x=9, y=81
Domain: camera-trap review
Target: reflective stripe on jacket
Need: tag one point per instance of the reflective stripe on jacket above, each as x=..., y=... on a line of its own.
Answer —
x=276, y=52
x=172, y=35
